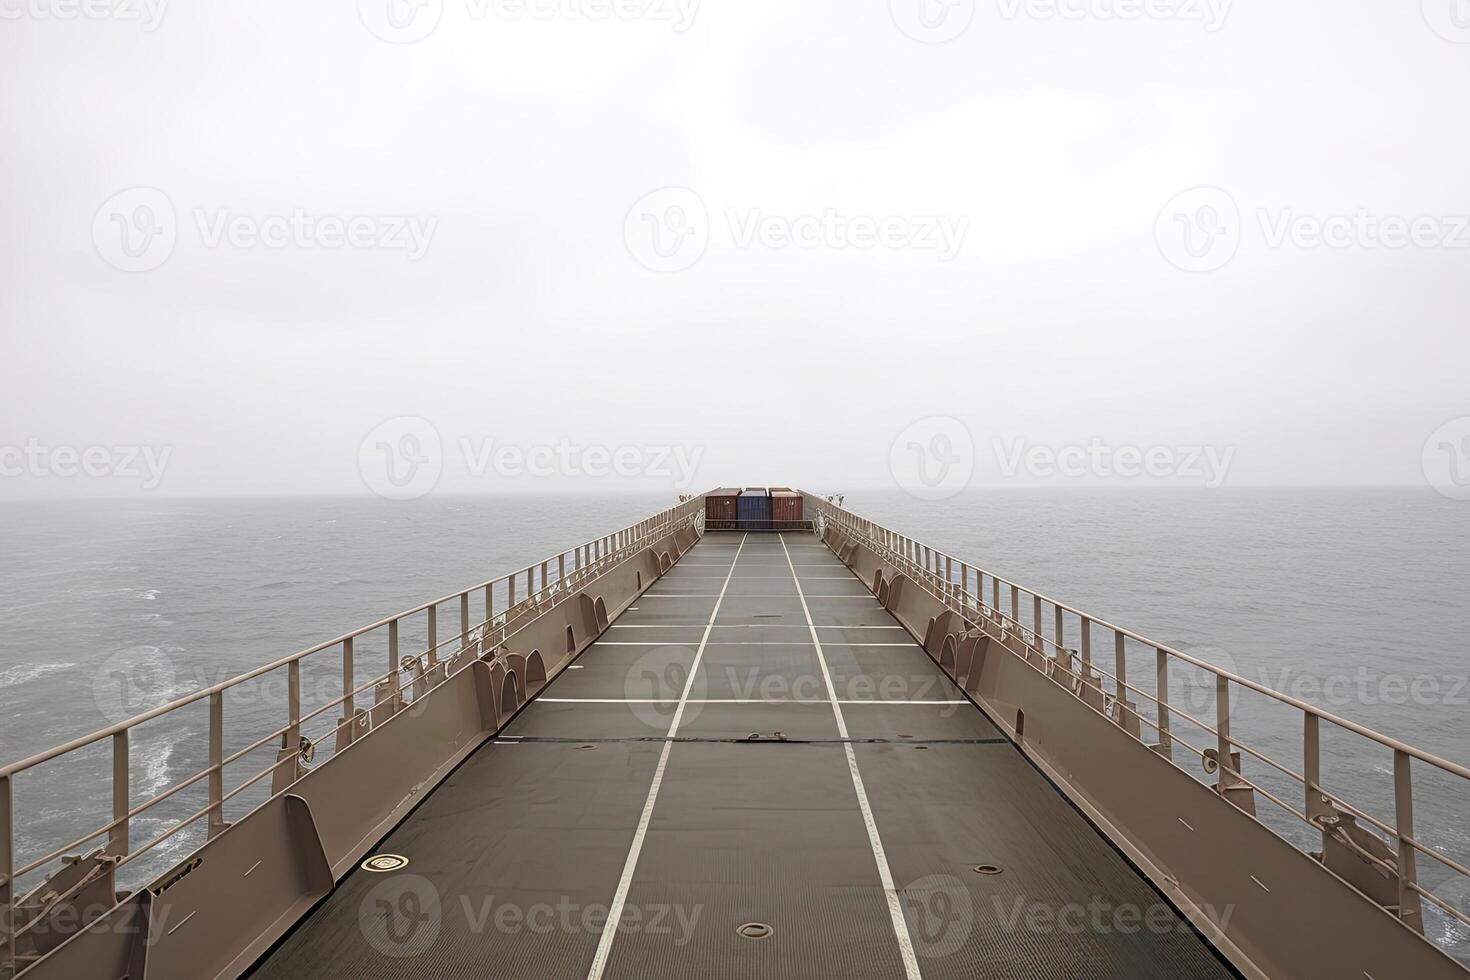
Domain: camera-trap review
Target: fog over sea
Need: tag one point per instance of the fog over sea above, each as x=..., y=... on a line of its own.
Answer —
x=1352, y=599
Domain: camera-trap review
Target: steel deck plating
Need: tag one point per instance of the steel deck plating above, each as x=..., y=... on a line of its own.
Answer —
x=756, y=743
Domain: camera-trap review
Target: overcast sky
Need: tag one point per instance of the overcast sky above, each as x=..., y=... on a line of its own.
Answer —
x=342, y=247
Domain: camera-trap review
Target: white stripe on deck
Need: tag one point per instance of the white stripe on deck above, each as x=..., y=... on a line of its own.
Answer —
x=885, y=876
x=620, y=897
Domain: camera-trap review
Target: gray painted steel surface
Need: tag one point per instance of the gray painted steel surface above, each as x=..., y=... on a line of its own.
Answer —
x=515, y=859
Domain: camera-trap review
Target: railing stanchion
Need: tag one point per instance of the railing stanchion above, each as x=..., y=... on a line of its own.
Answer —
x=293, y=704
x=1222, y=734
x=1120, y=672
x=464, y=622
x=1036, y=624
x=7, y=870
x=1166, y=744
x=1312, y=766
x=393, y=659
x=117, y=838
x=433, y=630
x=349, y=684
x=1411, y=909
x=216, y=762
x=1085, y=625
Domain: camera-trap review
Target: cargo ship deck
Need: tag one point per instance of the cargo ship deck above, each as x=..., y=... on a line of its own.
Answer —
x=754, y=772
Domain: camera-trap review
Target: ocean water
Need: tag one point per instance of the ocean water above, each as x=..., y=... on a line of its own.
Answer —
x=1354, y=600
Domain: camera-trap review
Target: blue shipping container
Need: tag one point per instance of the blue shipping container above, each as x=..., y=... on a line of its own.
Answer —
x=754, y=508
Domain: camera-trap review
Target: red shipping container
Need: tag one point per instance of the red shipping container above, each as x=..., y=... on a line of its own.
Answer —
x=719, y=507
x=785, y=505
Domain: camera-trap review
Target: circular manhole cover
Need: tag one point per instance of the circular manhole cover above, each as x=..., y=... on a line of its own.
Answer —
x=755, y=930
x=381, y=863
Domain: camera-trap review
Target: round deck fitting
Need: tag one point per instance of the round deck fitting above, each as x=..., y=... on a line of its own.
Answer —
x=755, y=930
x=987, y=869
x=383, y=863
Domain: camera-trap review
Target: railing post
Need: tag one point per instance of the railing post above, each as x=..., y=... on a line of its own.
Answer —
x=216, y=763
x=1166, y=744
x=1222, y=733
x=349, y=683
x=1015, y=605
x=464, y=622
x=561, y=570
x=7, y=870
x=1036, y=624
x=393, y=657
x=433, y=627
x=293, y=705
x=117, y=837
x=1120, y=669
x=1411, y=909
x=1316, y=806
x=510, y=599
x=490, y=599
x=1060, y=628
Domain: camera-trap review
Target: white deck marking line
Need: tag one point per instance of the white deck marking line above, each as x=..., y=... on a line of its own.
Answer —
x=885, y=876
x=738, y=701
x=620, y=897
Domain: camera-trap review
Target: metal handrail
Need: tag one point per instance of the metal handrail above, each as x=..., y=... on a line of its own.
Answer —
x=573, y=568
x=102, y=733
x=935, y=572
